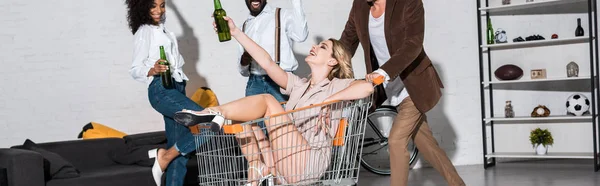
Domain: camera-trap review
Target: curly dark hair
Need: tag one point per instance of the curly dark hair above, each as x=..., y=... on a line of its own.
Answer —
x=138, y=13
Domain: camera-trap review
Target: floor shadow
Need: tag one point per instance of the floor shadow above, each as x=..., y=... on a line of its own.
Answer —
x=442, y=129
x=189, y=47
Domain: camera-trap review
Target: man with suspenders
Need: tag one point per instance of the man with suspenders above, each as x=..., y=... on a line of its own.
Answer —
x=275, y=30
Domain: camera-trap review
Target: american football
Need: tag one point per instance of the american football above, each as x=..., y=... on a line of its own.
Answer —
x=508, y=72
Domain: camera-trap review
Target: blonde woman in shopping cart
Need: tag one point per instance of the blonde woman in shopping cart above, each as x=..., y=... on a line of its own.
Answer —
x=292, y=147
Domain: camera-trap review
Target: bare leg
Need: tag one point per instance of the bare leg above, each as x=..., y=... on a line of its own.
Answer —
x=265, y=148
x=165, y=156
x=289, y=146
x=248, y=108
x=250, y=148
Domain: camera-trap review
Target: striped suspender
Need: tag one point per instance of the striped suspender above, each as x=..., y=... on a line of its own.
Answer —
x=277, y=35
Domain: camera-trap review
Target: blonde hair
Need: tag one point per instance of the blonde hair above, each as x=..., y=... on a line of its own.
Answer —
x=343, y=70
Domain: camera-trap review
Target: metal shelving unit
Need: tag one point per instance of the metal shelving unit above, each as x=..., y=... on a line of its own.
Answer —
x=538, y=43
x=488, y=81
x=528, y=5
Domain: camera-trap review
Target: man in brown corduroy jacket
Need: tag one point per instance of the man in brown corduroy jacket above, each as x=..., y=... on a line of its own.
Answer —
x=391, y=35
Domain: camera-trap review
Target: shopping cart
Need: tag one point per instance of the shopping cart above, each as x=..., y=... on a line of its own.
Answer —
x=329, y=153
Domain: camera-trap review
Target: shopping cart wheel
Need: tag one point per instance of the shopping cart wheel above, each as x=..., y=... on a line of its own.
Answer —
x=375, y=154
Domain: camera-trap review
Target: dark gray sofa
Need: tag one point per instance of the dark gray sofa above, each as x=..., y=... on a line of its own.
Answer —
x=91, y=158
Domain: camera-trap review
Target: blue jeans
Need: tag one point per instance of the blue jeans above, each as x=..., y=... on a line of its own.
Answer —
x=167, y=102
x=263, y=84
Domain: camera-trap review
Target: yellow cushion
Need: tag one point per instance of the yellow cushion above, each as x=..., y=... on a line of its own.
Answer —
x=95, y=130
x=205, y=97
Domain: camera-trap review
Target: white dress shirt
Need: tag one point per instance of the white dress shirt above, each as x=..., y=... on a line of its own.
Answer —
x=147, y=41
x=261, y=29
x=395, y=90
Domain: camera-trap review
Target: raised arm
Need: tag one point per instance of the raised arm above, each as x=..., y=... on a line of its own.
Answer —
x=356, y=90
x=296, y=25
x=259, y=54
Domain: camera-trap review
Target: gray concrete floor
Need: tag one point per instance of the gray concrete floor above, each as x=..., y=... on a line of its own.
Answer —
x=524, y=173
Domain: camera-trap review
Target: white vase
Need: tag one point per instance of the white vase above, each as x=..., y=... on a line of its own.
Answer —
x=541, y=149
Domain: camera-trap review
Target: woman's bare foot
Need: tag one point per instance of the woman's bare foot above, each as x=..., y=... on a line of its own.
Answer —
x=256, y=171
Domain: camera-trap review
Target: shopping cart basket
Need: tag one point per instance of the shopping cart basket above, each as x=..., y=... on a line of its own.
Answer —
x=325, y=150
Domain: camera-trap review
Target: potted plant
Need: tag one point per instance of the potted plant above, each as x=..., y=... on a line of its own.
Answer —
x=540, y=139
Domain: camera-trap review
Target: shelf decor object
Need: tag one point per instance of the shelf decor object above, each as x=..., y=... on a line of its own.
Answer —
x=497, y=76
x=541, y=139
x=538, y=74
x=579, y=30
x=508, y=110
x=508, y=72
x=572, y=69
x=540, y=111
x=577, y=105
x=500, y=36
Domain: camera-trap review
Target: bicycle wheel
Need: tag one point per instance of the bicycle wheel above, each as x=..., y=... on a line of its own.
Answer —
x=375, y=154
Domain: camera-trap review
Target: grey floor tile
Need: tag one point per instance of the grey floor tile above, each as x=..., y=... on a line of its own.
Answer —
x=527, y=173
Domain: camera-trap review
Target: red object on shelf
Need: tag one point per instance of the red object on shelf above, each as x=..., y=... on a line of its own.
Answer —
x=554, y=36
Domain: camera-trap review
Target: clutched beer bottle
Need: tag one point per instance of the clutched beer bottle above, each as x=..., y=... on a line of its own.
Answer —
x=222, y=27
x=166, y=78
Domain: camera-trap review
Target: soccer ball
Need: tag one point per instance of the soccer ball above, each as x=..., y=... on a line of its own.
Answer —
x=577, y=104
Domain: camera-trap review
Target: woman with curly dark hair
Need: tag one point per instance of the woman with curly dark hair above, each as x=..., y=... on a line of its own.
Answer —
x=146, y=20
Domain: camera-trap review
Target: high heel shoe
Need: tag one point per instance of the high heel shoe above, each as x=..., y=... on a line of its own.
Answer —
x=268, y=178
x=190, y=118
x=156, y=170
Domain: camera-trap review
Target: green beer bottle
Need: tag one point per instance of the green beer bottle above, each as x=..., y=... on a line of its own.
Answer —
x=167, y=80
x=222, y=27
x=490, y=32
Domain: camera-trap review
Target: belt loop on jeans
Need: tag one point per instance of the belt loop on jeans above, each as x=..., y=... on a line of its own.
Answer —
x=263, y=77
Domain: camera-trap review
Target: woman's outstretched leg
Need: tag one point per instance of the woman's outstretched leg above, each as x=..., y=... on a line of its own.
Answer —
x=245, y=109
x=290, y=149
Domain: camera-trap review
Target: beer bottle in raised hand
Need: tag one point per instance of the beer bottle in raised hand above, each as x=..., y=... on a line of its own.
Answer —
x=222, y=27
x=166, y=78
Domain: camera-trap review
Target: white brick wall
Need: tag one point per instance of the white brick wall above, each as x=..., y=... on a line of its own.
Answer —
x=64, y=64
